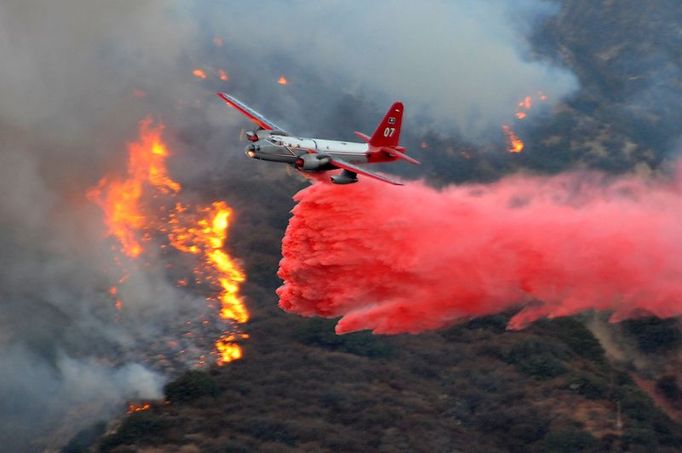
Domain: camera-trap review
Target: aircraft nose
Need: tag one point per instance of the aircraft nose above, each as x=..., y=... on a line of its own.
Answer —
x=251, y=150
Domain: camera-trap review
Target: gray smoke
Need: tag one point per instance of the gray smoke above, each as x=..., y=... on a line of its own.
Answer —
x=67, y=358
x=466, y=64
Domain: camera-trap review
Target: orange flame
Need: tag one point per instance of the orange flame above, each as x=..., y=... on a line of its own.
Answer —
x=120, y=199
x=228, y=349
x=515, y=144
x=200, y=231
x=223, y=75
x=207, y=238
x=526, y=104
x=282, y=80
x=138, y=407
x=199, y=73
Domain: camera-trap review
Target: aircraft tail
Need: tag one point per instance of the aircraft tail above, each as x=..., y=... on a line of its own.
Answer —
x=388, y=132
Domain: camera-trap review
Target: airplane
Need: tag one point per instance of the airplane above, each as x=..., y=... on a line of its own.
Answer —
x=313, y=155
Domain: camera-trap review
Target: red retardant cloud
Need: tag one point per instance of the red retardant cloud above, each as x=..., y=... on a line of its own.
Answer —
x=412, y=258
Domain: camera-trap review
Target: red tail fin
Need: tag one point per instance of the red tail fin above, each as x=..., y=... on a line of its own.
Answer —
x=388, y=132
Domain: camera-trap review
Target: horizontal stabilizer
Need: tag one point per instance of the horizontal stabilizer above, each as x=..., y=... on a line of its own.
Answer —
x=400, y=155
x=363, y=137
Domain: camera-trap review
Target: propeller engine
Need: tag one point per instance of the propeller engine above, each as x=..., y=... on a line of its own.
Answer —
x=311, y=162
x=252, y=136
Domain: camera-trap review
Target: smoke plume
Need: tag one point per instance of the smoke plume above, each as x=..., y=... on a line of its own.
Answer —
x=463, y=63
x=408, y=259
x=67, y=358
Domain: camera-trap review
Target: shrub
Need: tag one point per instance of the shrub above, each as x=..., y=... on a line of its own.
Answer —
x=570, y=440
x=270, y=430
x=518, y=426
x=667, y=386
x=542, y=366
x=591, y=387
x=496, y=323
x=641, y=436
x=638, y=406
x=82, y=442
x=320, y=333
x=654, y=335
x=577, y=337
x=137, y=428
x=667, y=431
x=190, y=386
x=536, y=358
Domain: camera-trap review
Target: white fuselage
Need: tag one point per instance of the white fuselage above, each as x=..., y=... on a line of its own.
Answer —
x=284, y=148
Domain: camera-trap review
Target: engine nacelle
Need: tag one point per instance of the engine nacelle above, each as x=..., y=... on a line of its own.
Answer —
x=251, y=136
x=345, y=177
x=311, y=162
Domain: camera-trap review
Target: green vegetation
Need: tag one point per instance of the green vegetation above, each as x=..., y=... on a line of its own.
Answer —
x=190, y=386
x=669, y=388
x=570, y=440
x=320, y=333
x=590, y=386
x=538, y=357
x=82, y=442
x=139, y=427
x=576, y=336
x=654, y=335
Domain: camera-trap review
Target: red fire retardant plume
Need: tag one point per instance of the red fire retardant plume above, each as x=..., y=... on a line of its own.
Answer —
x=412, y=258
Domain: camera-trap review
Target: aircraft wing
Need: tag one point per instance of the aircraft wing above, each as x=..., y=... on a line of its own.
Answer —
x=250, y=113
x=361, y=171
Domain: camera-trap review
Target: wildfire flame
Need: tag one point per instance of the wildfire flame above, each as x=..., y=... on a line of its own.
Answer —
x=282, y=80
x=223, y=75
x=228, y=349
x=200, y=231
x=199, y=73
x=121, y=200
x=514, y=143
x=526, y=104
x=138, y=407
x=207, y=238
